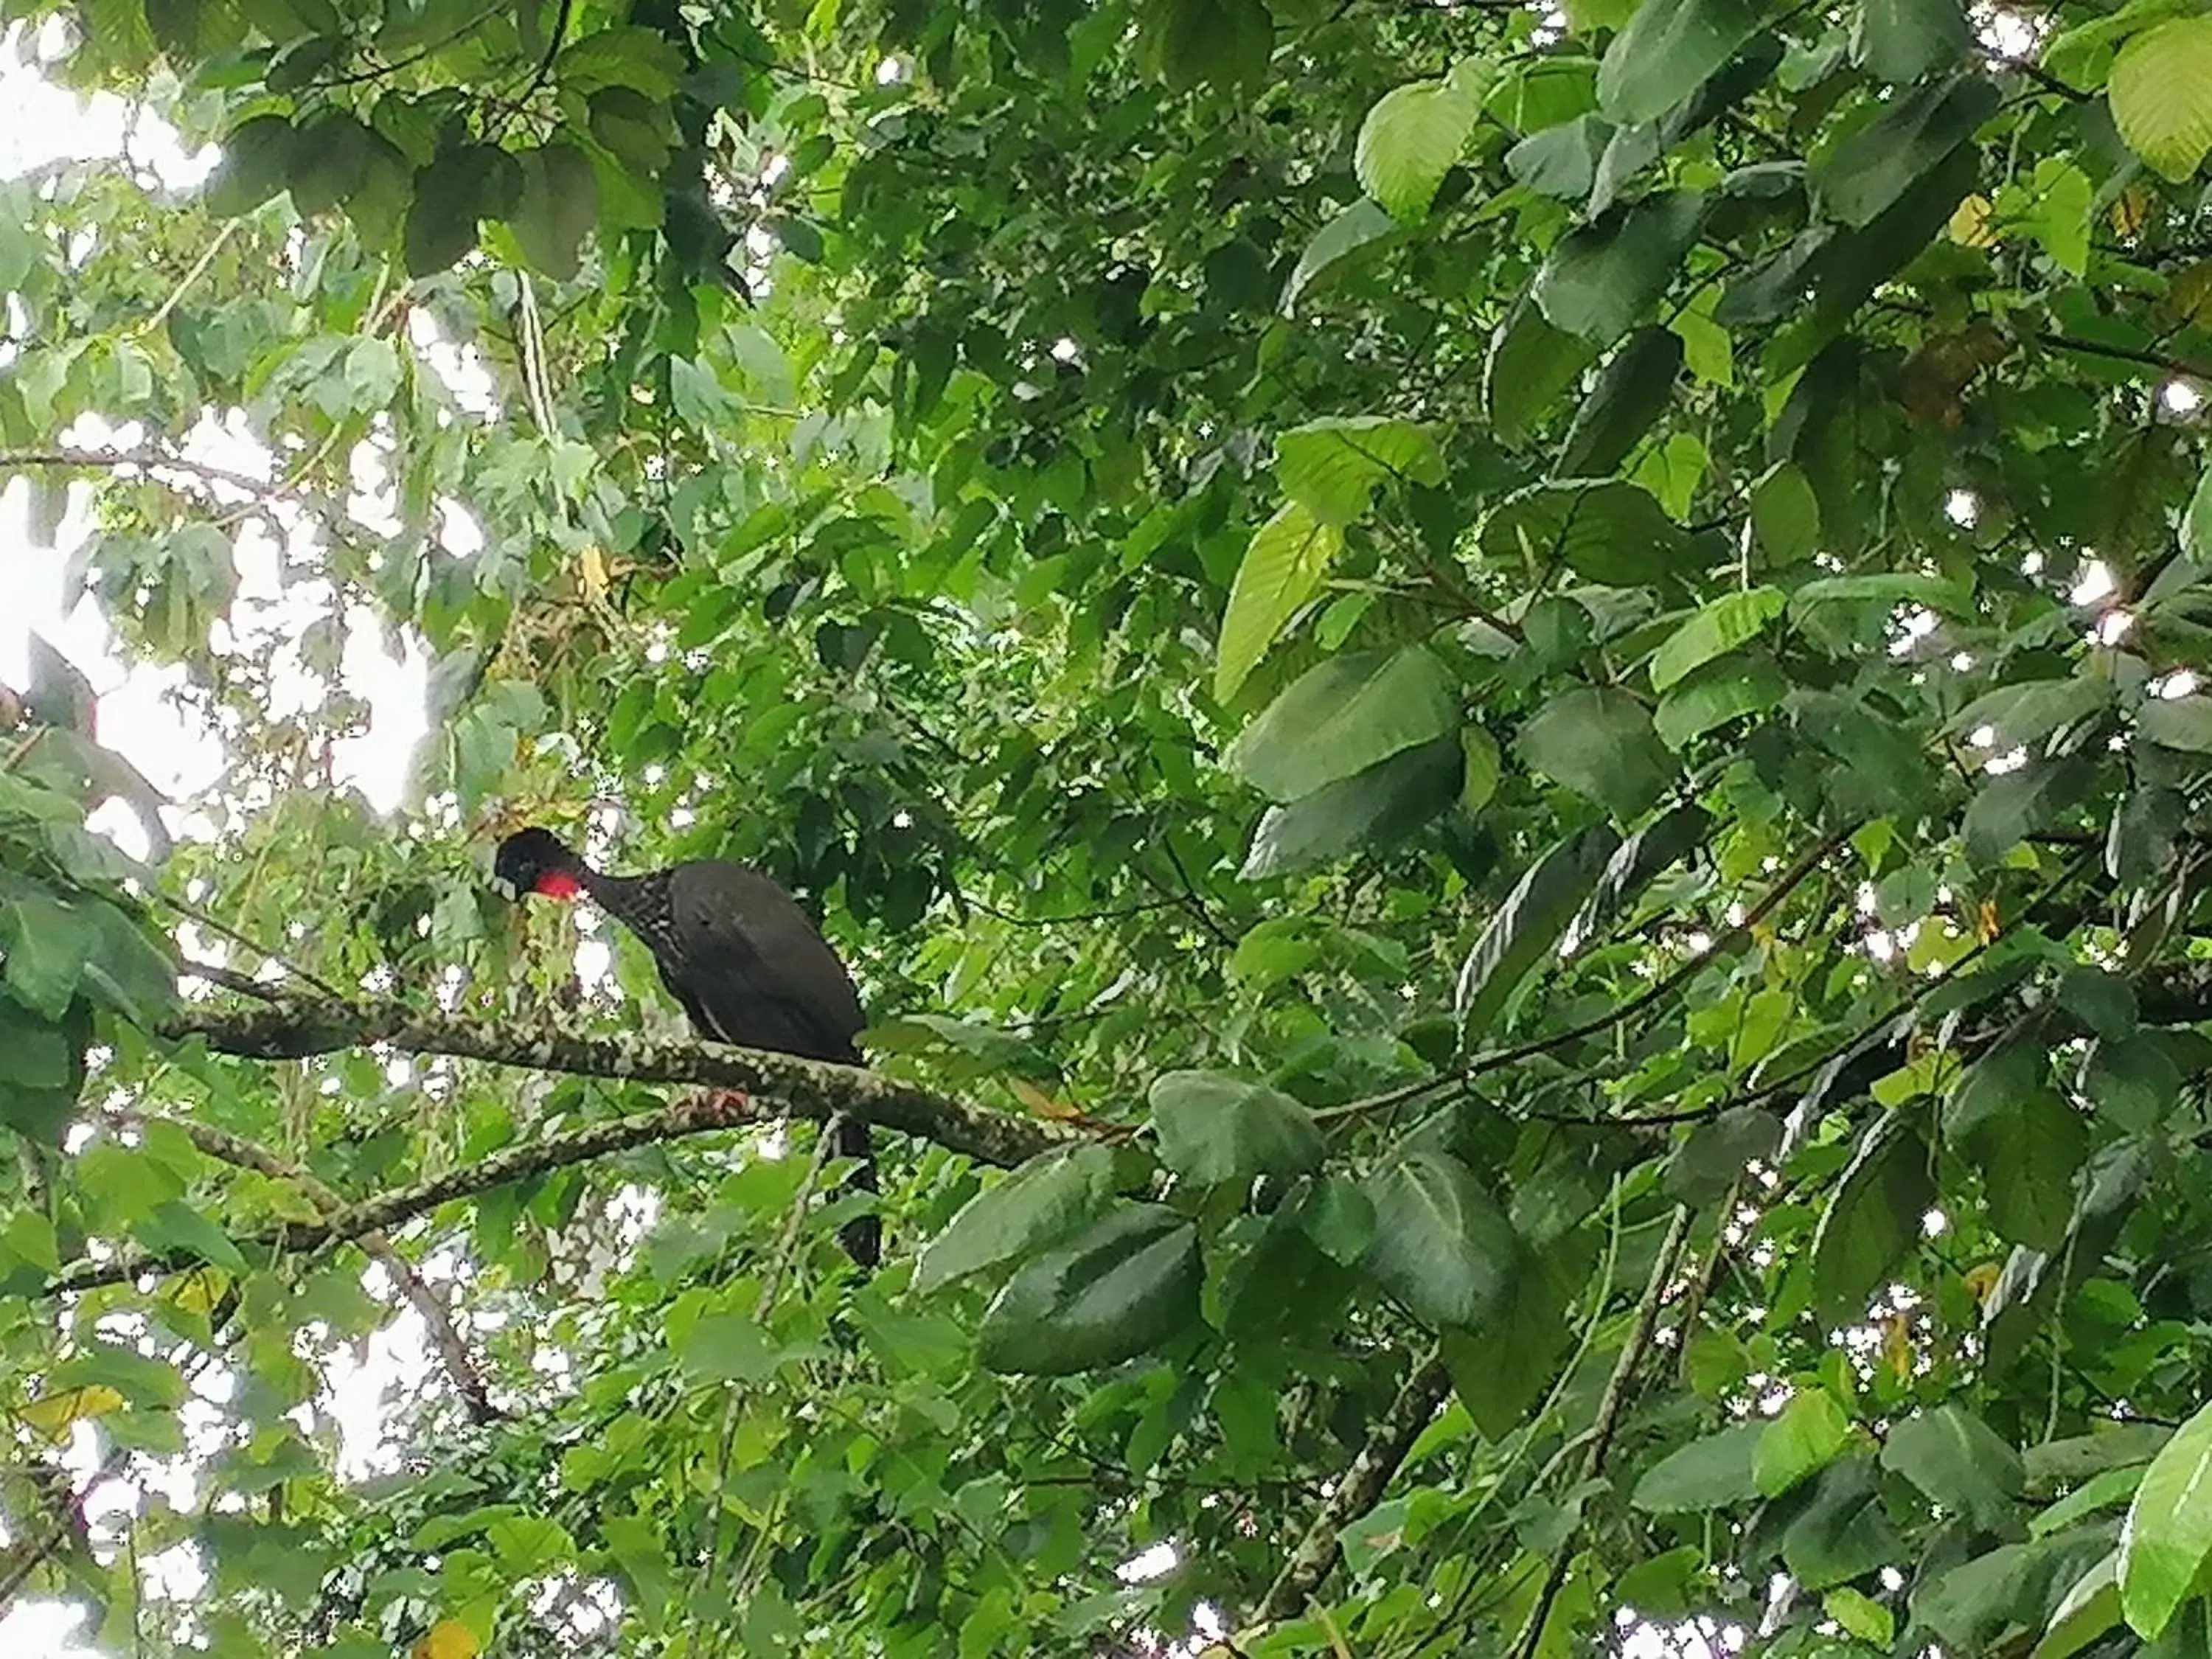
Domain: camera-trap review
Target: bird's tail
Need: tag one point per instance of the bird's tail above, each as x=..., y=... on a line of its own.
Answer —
x=863, y=1236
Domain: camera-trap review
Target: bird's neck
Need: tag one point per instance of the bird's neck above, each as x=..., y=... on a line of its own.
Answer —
x=563, y=885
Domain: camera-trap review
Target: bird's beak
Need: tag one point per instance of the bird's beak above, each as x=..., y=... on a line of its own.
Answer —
x=506, y=889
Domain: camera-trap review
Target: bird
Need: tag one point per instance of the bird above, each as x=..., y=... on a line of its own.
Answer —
x=745, y=960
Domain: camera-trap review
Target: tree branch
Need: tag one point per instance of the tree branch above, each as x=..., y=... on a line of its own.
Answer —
x=1361, y=1489
x=783, y=1084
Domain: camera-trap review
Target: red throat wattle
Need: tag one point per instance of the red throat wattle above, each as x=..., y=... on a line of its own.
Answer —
x=558, y=885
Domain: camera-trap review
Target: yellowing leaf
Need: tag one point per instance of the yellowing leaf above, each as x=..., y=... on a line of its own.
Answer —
x=449, y=1638
x=56, y=1415
x=2161, y=95
x=1970, y=223
x=198, y=1290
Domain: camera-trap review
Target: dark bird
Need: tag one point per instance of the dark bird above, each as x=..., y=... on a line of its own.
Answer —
x=736, y=950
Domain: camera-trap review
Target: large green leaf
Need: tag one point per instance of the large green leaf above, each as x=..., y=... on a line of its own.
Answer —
x=1610, y=531
x=1282, y=569
x=1902, y=41
x=1873, y=1218
x=1959, y=1462
x=1442, y=1246
x=1124, y=1287
x=1600, y=281
x=1599, y=742
x=1213, y=1128
x=1036, y=1207
x=2161, y=95
x=1872, y=169
x=1711, y=1474
x=1634, y=389
x=1530, y=365
x=1331, y=467
x=1370, y=811
x=2168, y=1535
x=1342, y=717
x=1808, y=1434
x=1361, y=225
x=1528, y=924
x=1729, y=622
x=1669, y=49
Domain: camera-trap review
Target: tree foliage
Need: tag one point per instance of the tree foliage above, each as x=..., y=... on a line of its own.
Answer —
x=1510, y=702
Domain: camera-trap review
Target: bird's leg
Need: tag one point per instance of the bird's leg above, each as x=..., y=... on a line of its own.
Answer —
x=731, y=1100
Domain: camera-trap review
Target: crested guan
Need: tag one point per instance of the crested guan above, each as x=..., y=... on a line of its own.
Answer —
x=739, y=953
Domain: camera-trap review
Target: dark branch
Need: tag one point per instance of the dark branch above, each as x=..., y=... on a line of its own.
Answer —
x=780, y=1085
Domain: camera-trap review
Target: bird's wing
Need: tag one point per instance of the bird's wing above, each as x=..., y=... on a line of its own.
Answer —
x=757, y=969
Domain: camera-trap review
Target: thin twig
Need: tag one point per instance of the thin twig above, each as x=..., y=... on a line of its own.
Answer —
x=185, y=908
x=1658, y=992
x=1610, y=1407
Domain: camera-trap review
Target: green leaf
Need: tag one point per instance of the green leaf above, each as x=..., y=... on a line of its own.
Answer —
x=1613, y=532
x=1959, y=1462
x=631, y=54
x=1213, y=1128
x=1373, y=810
x=1598, y=281
x=2085, y=1611
x=2014, y=807
x=1331, y=466
x=2029, y=1151
x=1669, y=49
x=178, y=1229
x=2161, y=98
x=1599, y=742
x=2196, y=522
x=1504, y=1372
x=1711, y=1474
x=1414, y=133
x=1124, y=1287
x=1872, y=169
x=2133, y=1083
x=1786, y=518
x=1873, y=1218
x=1036, y=1207
x=2179, y=723
x=1712, y=696
x=46, y=943
x=1282, y=569
x=1342, y=717
x=1901, y=41
x=1530, y=368
x=727, y=1348
x=1841, y=1532
x=1809, y=1434
x=1528, y=924
x=441, y=215
x=2017, y=715
x=2168, y=1534
x=256, y=162
x=1726, y=624
x=1670, y=837
x=1363, y=222
x=1712, y=1160
x=559, y=205
x=1442, y=1246
x=1192, y=43
x=1480, y=768
x=1634, y=389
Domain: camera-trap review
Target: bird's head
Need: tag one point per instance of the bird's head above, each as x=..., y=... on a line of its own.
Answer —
x=535, y=861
